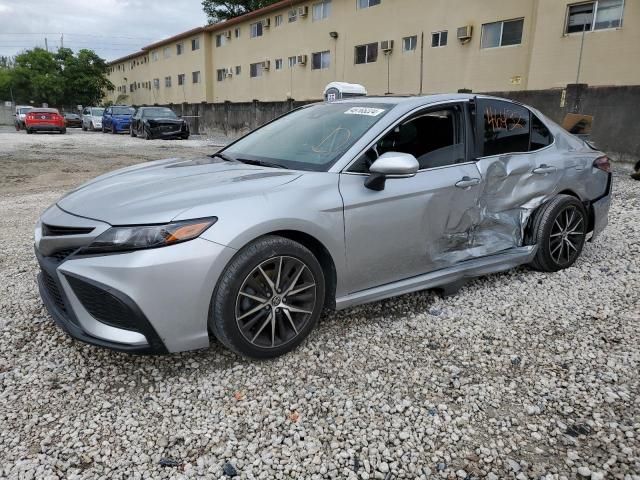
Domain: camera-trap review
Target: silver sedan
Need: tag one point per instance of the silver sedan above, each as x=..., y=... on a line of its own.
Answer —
x=330, y=206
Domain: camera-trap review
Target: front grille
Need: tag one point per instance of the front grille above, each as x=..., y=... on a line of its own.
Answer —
x=60, y=255
x=102, y=305
x=53, y=290
x=58, y=231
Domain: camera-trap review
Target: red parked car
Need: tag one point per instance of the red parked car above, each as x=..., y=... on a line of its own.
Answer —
x=44, y=120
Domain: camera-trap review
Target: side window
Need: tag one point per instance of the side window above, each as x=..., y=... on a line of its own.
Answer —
x=540, y=135
x=505, y=126
x=434, y=137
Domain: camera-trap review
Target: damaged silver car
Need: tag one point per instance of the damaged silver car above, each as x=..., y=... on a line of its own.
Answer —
x=331, y=205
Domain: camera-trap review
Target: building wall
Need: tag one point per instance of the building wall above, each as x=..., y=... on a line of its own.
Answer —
x=545, y=58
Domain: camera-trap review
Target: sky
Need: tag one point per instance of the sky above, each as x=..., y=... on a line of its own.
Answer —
x=112, y=28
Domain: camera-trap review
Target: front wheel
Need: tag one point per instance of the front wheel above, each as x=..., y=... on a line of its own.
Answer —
x=29, y=131
x=131, y=132
x=104, y=130
x=559, y=229
x=268, y=299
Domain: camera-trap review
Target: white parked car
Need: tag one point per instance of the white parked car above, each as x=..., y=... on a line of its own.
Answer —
x=21, y=114
x=92, y=118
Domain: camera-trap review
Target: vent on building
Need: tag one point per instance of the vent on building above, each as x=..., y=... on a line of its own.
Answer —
x=301, y=60
x=227, y=34
x=303, y=11
x=386, y=45
x=266, y=65
x=465, y=33
x=266, y=23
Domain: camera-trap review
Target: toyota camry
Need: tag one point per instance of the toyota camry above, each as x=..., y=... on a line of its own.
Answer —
x=329, y=206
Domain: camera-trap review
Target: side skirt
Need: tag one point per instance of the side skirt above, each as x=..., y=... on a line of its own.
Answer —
x=471, y=268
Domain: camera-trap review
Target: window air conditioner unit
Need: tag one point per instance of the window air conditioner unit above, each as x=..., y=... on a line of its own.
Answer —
x=301, y=60
x=303, y=11
x=386, y=45
x=266, y=23
x=266, y=65
x=227, y=34
x=229, y=72
x=464, y=33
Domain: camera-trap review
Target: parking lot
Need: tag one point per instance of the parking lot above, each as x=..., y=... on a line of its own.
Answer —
x=519, y=375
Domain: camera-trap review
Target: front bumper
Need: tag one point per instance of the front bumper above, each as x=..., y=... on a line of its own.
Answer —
x=165, y=307
x=121, y=127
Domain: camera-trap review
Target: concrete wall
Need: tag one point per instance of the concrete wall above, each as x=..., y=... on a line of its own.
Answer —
x=6, y=115
x=615, y=127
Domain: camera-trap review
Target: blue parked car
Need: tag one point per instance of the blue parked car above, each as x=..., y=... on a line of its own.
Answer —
x=117, y=118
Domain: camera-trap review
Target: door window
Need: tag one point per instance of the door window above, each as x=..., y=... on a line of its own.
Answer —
x=540, y=135
x=434, y=137
x=505, y=126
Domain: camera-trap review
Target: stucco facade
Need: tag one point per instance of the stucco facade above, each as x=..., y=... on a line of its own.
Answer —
x=513, y=45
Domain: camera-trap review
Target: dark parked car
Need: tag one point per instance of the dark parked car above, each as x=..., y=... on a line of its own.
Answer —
x=117, y=118
x=72, y=120
x=158, y=122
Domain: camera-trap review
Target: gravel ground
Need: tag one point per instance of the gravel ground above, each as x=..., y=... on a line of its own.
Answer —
x=520, y=375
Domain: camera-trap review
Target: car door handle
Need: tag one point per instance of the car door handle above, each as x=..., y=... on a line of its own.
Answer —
x=542, y=169
x=467, y=182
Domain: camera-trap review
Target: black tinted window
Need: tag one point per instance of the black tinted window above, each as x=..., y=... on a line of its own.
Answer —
x=540, y=134
x=506, y=127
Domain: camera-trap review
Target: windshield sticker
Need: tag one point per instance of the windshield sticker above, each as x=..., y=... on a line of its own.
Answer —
x=370, y=112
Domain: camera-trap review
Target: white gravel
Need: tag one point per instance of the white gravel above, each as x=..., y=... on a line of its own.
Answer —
x=520, y=375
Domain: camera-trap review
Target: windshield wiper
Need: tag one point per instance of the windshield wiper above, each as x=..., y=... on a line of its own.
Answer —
x=223, y=156
x=261, y=163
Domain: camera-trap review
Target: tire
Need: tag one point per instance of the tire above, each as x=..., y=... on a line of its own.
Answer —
x=63, y=131
x=114, y=130
x=29, y=131
x=559, y=229
x=84, y=129
x=131, y=132
x=291, y=327
x=104, y=130
x=185, y=137
x=91, y=127
x=145, y=134
x=17, y=125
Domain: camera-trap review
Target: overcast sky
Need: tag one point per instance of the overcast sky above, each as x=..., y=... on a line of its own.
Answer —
x=113, y=28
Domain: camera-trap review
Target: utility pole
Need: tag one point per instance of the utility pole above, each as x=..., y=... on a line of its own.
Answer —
x=584, y=28
x=62, y=40
x=46, y=45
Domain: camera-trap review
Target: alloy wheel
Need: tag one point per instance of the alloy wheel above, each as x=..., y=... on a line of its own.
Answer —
x=276, y=301
x=566, y=235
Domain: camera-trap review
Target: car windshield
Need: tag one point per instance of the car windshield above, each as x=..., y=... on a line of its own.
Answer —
x=24, y=110
x=311, y=138
x=97, y=112
x=158, y=113
x=123, y=110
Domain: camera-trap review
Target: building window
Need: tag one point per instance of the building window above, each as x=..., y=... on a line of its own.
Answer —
x=221, y=39
x=278, y=20
x=237, y=32
x=607, y=14
x=167, y=81
x=179, y=48
x=256, y=29
x=166, y=52
x=293, y=61
x=368, y=3
x=195, y=44
x=321, y=60
x=502, y=34
x=255, y=70
x=278, y=64
x=293, y=15
x=181, y=79
x=221, y=73
x=367, y=53
x=238, y=70
x=321, y=10
x=439, y=39
x=154, y=56
x=156, y=83
x=195, y=76
x=409, y=44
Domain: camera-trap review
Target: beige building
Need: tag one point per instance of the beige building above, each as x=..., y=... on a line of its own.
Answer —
x=293, y=48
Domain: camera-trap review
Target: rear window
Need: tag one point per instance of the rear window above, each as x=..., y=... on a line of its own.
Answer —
x=123, y=110
x=97, y=112
x=24, y=110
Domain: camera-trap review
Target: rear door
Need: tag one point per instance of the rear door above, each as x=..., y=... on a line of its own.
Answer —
x=418, y=224
x=519, y=168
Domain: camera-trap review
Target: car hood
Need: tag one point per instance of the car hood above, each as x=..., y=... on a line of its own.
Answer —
x=156, y=192
x=164, y=121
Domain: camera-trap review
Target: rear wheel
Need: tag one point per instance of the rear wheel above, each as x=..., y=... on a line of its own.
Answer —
x=559, y=229
x=268, y=299
x=29, y=131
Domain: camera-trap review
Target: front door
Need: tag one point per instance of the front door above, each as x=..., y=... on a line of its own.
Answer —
x=418, y=224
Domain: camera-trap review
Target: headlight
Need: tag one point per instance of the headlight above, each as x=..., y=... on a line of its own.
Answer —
x=120, y=239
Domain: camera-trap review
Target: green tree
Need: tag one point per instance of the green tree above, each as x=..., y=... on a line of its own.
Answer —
x=220, y=10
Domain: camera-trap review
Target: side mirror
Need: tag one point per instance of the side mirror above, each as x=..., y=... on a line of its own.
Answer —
x=391, y=165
